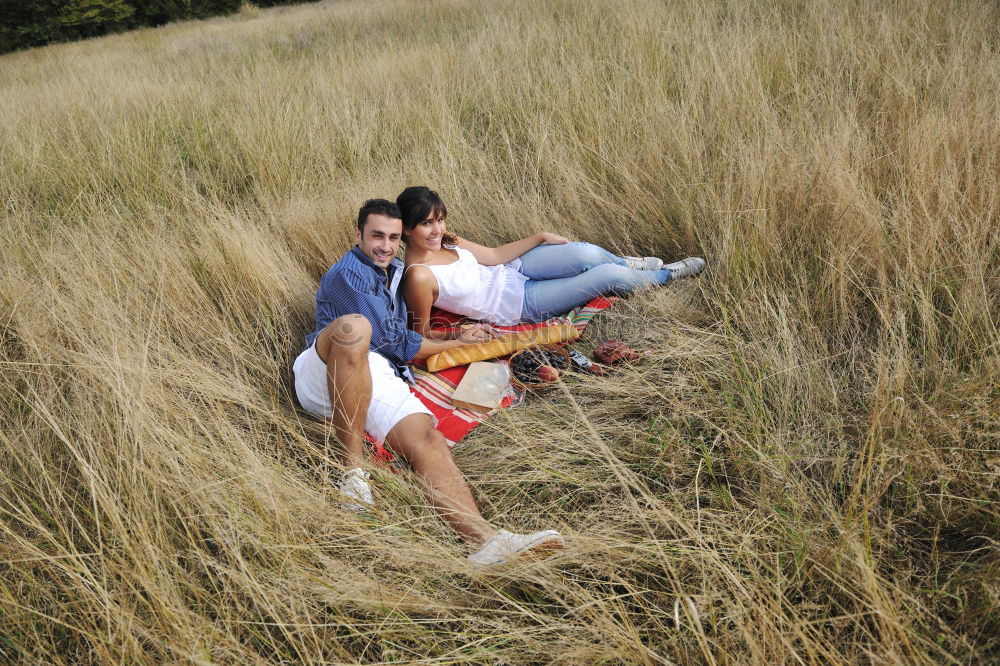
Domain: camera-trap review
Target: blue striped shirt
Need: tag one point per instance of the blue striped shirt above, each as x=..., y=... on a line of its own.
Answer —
x=355, y=285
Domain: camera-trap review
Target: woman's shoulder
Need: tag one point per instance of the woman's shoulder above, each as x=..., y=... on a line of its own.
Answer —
x=445, y=256
x=418, y=271
x=462, y=253
x=419, y=276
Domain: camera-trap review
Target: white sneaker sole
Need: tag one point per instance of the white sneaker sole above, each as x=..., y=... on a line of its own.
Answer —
x=544, y=548
x=686, y=268
x=539, y=551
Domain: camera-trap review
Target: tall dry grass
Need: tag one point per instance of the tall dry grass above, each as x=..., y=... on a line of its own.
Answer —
x=803, y=470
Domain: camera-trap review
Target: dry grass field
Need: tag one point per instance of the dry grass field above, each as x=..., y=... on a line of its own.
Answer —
x=805, y=469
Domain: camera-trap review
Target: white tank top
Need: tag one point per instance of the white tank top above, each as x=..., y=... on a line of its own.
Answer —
x=489, y=293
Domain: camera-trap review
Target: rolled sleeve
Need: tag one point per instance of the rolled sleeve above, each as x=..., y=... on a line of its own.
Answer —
x=398, y=341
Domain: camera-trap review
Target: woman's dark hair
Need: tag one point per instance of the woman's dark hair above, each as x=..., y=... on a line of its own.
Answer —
x=416, y=203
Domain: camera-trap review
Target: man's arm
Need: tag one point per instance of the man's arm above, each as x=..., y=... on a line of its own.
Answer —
x=348, y=292
x=431, y=347
x=390, y=336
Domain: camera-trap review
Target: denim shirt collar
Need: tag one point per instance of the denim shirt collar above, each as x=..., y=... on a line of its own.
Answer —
x=394, y=266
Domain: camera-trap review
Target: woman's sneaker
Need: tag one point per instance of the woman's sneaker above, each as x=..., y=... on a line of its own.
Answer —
x=353, y=485
x=505, y=547
x=686, y=267
x=643, y=263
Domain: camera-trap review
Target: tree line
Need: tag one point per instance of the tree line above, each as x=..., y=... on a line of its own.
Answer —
x=27, y=23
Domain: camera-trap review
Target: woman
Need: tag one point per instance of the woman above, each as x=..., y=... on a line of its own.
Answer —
x=531, y=279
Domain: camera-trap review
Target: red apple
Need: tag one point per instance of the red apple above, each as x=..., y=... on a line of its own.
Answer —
x=548, y=374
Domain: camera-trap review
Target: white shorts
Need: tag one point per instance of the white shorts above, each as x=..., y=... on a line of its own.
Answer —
x=391, y=398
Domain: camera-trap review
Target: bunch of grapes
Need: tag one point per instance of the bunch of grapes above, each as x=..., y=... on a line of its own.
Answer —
x=538, y=365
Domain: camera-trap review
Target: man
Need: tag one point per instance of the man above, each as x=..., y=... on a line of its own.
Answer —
x=352, y=373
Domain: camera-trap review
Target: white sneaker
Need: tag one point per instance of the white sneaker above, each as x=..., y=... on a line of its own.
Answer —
x=686, y=267
x=643, y=263
x=505, y=547
x=354, y=486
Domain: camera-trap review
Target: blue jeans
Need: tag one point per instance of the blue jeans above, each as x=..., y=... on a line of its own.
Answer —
x=562, y=277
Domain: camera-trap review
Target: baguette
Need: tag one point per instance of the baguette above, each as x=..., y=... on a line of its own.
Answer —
x=508, y=344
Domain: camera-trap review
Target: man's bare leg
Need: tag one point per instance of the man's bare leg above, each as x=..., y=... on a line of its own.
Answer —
x=343, y=346
x=443, y=484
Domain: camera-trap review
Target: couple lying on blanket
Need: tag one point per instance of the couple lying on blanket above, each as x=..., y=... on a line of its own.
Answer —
x=353, y=369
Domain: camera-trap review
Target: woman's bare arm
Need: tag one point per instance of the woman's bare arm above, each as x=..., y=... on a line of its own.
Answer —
x=494, y=256
x=419, y=289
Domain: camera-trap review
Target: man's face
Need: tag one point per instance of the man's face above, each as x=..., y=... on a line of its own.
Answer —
x=379, y=240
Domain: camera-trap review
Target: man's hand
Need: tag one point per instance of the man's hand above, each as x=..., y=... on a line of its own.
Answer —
x=471, y=335
x=477, y=333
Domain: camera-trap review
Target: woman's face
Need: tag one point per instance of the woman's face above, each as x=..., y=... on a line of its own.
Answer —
x=428, y=232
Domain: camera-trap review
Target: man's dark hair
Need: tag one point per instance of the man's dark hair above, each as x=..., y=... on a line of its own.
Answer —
x=377, y=207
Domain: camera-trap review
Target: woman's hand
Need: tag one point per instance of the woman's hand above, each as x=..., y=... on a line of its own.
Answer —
x=477, y=333
x=549, y=238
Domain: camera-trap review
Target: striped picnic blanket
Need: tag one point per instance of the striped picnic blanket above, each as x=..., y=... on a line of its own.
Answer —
x=435, y=389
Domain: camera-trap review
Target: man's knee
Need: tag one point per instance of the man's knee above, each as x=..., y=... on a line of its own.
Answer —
x=422, y=433
x=435, y=441
x=345, y=338
x=431, y=447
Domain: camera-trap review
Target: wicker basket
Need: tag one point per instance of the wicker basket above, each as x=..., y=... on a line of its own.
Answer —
x=523, y=386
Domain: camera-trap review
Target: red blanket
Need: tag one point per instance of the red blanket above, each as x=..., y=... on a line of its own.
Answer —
x=435, y=389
